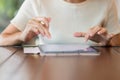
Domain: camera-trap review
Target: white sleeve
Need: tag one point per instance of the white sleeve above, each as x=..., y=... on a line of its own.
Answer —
x=26, y=12
x=112, y=22
x=118, y=8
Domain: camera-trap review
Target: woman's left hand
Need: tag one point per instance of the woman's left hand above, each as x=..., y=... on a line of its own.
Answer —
x=97, y=34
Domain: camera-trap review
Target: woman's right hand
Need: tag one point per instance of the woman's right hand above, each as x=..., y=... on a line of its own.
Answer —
x=34, y=27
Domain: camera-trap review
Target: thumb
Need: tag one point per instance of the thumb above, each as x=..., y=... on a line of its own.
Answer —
x=48, y=19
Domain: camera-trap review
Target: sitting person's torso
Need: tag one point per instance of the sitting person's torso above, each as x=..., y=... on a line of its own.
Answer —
x=68, y=18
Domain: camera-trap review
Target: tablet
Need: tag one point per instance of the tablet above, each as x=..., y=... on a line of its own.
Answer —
x=63, y=49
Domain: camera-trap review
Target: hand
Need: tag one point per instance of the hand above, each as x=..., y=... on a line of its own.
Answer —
x=97, y=34
x=36, y=26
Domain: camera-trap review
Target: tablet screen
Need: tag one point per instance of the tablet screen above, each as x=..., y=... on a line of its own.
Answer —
x=63, y=49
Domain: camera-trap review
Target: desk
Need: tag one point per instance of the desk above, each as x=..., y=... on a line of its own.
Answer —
x=15, y=65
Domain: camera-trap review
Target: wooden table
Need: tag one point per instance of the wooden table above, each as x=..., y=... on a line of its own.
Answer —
x=15, y=65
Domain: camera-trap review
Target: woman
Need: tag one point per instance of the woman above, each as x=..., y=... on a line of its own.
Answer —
x=63, y=21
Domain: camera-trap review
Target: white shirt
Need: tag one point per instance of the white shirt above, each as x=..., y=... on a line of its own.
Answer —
x=68, y=18
x=118, y=8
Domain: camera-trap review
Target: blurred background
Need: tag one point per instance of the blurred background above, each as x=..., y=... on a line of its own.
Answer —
x=8, y=9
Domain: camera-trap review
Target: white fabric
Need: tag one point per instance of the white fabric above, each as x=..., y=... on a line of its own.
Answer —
x=118, y=8
x=68, y=18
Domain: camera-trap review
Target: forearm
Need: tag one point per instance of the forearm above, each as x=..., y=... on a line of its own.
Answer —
x=115, y=40
x=11, y=39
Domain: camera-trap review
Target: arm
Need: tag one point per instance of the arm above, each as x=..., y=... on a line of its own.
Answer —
x=109, y=33
x=10, y=36
x=25, y=25
x=112, y=25
x=115, y=40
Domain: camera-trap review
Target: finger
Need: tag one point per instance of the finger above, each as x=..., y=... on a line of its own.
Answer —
x=35, y=20
x=103, y=31
x=38, y=29
x=46, y=31
x=100, y=39
x=87, y=37
x=42, y=29
x=44, y=21
x=49, y=19
x=109, y=36
x=38, y=26
x=91, y=33
x=102, y=44
x=79, y=34
x=94, y=30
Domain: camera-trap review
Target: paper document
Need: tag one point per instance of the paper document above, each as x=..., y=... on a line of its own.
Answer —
x=29, y=50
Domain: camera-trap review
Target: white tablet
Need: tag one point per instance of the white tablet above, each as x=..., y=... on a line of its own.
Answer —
x=69, y=49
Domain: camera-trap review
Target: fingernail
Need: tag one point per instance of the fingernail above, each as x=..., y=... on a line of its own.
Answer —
x=98, y=32
x=49, y=19
x=43, y=33
x=49, y=37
